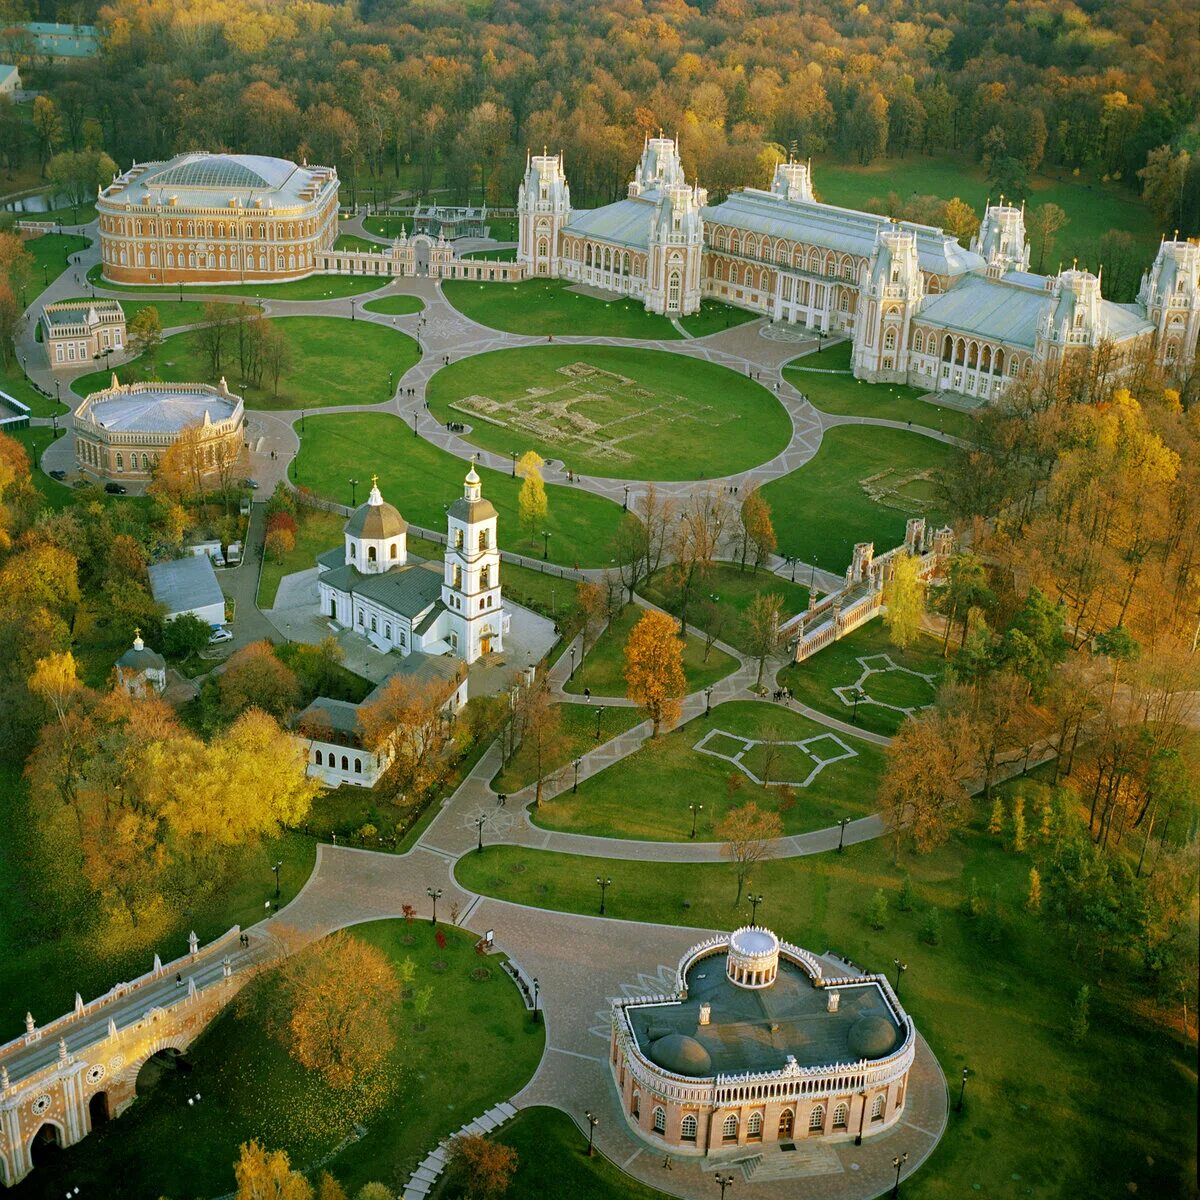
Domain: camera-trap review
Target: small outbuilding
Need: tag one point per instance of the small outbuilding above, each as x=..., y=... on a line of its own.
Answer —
x=188, y=585
x=141, y=670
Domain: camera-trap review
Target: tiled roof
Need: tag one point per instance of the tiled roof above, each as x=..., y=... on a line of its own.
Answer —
x=407, y=590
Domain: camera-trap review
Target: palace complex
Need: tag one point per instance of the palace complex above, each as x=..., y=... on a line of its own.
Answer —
x=919, y=308
x=758, y=1047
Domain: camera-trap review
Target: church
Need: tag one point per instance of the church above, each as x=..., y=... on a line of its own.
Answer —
x=919, y=307
x=369, y=585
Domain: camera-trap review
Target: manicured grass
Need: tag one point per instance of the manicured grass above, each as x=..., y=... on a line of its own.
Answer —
x=312, y=287
x=1000, y=1008
x=332, y=361
x=821, y=510
x=1093, y=207
x=725, y=584
x=545, y=306
x=507, y=254
x=351, y=241
x=891, y=401
x=674, y=418
x=812, y=681
x=388, y=227
x=395, y=306
x=552, y=1160
x=579, y=724
x=603, y=670
x=647, y=794
x=546, y=592
x=715, y=317
x=82, y=214
x=14, y=383
x=421, y=481
x=251, y=1087
x=503, y=229
x=50, y=252
x=318, y=531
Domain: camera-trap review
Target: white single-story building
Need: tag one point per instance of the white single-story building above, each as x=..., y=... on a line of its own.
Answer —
x=188, y=585
x=10, y=80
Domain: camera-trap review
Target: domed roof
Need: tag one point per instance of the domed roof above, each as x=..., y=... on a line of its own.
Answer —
x=871, y=1036
x=682, y=1054
x=376, y=519
x=140, y=657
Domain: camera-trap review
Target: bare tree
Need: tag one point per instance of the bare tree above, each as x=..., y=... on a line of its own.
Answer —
x=747, y=833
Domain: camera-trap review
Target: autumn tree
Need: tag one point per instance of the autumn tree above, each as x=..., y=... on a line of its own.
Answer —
x=254, y=676
x=483, y=1168
x=695, y=541
x=542, y=743
x=276, y=355
x=761, y=631
x=643, y=537
x=964, y=589
x=263, y=1174
x=328, y=1188
x=755, y=534
x=1046, y=221
x=746, y=834
x=592, y=601
x=904, y=601
x=714, y=620
x=654, y=675
x=532, y=505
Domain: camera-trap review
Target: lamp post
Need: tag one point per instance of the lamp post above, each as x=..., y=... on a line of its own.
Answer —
x=414, y=421
x=514, y=466
x=898, y=1162
x=545, y=544
x=592, y=1123
x=575, y=785
x=696, y=810
x=303, y=419
x=722, y=1181
x=353, y=304
x=708, y=700
x=435, y=895
x=353, y=493
x=962, y=1090
x=901, y=967
x=842, y=823
x=858, y=695
x=755, y=901
x=862, y=1117
x=625, y=506
x=275, y=868
x=603, y=883
x=812, y=575
x=535, y=1001
x=572, y=674
x=793, y=560
x=391, y=376
x=599, y=714
x=480, y=822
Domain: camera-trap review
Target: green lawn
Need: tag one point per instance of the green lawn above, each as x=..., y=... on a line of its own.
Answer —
x=812, y=681
x=507, y=254
x=388, y=227
x=82, y=214
x=821, y=509
x=395, y=306
x=503, y=229
x=351, y=241
x=552, y=1160
x=603, y=670
x=13, y=381
x=999, y=1008
x=726, y=585
x=319, y=531
x=615, y=411
x=714, y=317
x=35, y=439
x=422, y=481
x=1093, y=207
x=50, y=252
x=546, y=592
x=545, y=306
x=312, y=287
x=647, y=794
x=891, y=401
x=579, y=725
x=250, y=1087
x=332, y=361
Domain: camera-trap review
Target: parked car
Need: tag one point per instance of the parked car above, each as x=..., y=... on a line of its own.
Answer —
x=115, y=489
x=219, y=634
x=58, y=475
x=252, y=484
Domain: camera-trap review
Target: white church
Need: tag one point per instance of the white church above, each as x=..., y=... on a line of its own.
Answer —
x=369, y=585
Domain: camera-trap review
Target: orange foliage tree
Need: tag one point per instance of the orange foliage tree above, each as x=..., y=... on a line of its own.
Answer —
x=654, y=675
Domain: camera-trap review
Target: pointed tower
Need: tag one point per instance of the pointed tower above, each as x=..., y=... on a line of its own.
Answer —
x=888, y=302
x=1071, y=319
x=676, y=246
x=543, y=208
x=658, y=169
x=793, y=181
x=1170, y=294
x=471, y=583
x=1001, y=239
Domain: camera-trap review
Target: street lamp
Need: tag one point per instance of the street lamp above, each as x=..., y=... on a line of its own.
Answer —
x=898, y=1162
x=901, y=967
x=435, y=894
x=603, y=883
x=572, y=674
x=722, y=1181
x=708, y=700
x=480, y=822
x=303, y=419
x=275, y=868
x=599, y=714
x=535, y=1001
x=414, y=421
x=625, y=506
x=353, y=492
x=755, y=901
x=842, y=823
x=696, y=810
x=352, y=305
x=592, y=1123
x=962, y=1090
x=575, y=785
x=858, y=695
x=545, y=544
x=391, y=376
x=514, y=469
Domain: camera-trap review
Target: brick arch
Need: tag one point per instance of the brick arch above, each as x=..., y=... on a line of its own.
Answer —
x=46, y=1120
x=128, y=1076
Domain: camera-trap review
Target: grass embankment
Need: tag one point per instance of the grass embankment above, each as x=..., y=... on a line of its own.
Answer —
x=312, y=287
x=715, y=317
x=398, y=305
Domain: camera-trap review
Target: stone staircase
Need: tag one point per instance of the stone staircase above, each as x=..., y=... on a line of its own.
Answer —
x=434, y=1163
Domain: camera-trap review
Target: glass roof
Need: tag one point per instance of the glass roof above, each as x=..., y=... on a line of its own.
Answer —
x=215, y=171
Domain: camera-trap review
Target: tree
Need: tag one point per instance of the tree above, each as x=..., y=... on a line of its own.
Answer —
x=1033, y=901
x=374, y=1191
x=964, y=590
x=695, y=541
x=329, y=1189
x=255, y=677
x=761, y=630
x=1047, y=220
x=756, y=534
x=958, y=217
x=276, y=355
x=931, y=927
x=220, y=317
x=1018, y=824
x=263, y=1174
x=532, y=505
x=996, y=824
x=48, y=127
x=904, y=900
x=56, y=680
x=1163, y=178
x=184, y=636
x=713, y=619
x=279, y=543
x=654, y=675
x=482, y=1167
x=78, y=174
x=592, y=601
x=746, y=833
x=542, y=742
x=877, y=910
x=145, y=335
x=904, y=601
x=1119, y=254
x=1078, y=1028
x=344, y=1033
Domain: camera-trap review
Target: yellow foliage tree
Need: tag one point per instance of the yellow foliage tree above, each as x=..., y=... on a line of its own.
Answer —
x=904, y=596
x=532, y=505
x=263, y=1174
x=654, y=675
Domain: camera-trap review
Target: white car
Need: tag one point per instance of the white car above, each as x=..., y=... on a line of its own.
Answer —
x=219, y=634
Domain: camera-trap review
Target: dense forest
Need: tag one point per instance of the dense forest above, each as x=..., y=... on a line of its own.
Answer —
x=455, y=92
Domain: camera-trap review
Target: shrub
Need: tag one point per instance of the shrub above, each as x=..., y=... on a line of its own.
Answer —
x=931, y=927
x=904, y=901
x=877, y=912
x=1078, y=1027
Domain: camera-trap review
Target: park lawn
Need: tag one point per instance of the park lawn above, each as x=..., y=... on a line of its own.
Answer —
x=422, y=481
x=552, y=1160
x=50, y=253
x=725, y=584
x=388, y=227
x=812, y=681
x=715, y=317
x=398, y=305
x=15, y=384
x=79, y=214
x=504, y=254
x=646, y=795
x=1000, y=1008
x=332, y=361
x=1092, y=207
x=678, y=419
x=546, y=591
x=843, y=394
x=579, y=725
x=311, y=287
x=317, y=532
x=547, y=306
x=603, y=669
x=351, y=241
x=821, y=509
x=503, y=229
x=252, y=1088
